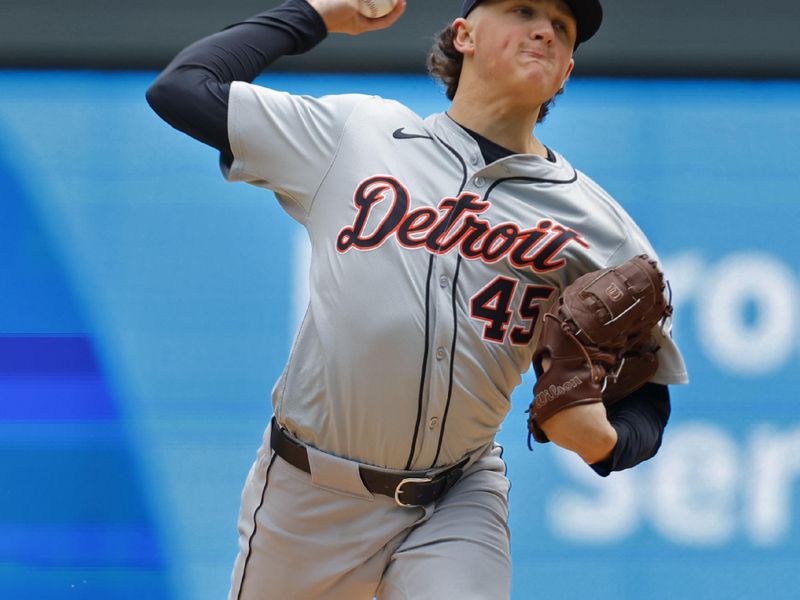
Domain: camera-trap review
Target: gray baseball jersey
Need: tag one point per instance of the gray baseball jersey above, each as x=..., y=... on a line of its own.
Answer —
x=429, y=270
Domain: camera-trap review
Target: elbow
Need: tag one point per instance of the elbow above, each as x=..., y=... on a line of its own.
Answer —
x=169, y=98
x=188, y=105
x=158, y=96
x=153, y=95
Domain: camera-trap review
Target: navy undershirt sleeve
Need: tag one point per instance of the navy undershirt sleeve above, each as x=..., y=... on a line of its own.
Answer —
x=639, y=420
x=191, y=94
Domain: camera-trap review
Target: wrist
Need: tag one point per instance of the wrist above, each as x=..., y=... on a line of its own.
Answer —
x=312, y=10
x=600, y=446
x=583, y=429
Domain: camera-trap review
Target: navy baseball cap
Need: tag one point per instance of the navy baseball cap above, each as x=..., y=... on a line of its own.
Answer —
x=588, y=16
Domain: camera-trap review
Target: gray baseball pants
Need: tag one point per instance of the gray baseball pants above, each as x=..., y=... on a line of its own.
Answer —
x=327, y=538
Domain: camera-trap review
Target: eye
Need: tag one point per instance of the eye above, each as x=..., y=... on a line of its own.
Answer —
x=524, y=11
x=561, y=27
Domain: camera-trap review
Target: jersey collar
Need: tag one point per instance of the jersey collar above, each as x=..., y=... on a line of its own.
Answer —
x=515, y=165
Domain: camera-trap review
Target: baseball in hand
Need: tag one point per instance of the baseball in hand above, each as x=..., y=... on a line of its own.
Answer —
x=375, y=8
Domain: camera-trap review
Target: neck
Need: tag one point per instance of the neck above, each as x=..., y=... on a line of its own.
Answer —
x=498, y=120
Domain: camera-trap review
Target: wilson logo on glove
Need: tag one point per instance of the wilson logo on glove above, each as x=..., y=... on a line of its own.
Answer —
x=555, y=391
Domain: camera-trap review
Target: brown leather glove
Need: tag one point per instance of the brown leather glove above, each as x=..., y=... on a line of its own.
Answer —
x=596, y=343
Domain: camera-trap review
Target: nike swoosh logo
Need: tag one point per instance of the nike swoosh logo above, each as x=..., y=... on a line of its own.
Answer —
x=400, y=134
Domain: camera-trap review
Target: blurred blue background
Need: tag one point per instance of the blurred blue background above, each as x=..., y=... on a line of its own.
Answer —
x=147, y=307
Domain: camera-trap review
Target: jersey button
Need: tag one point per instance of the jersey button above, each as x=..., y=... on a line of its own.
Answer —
x=433, y=423
x=479, y=181
x=443, y=281
x=441, y=353
x=473, y=159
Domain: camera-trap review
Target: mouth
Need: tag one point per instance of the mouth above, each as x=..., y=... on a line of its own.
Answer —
x=534, y=54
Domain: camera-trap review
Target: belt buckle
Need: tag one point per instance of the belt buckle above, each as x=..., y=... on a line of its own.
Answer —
x=400, y=485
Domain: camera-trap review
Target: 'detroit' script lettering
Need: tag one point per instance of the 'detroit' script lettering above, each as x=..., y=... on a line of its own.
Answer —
x=456, y=224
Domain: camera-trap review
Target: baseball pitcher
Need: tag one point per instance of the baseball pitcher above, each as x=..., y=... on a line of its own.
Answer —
x=449, y=254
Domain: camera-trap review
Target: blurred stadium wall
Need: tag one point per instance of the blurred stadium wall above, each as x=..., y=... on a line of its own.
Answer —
x=712, y=38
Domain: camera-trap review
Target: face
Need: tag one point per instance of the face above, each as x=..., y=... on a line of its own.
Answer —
x=523, y=46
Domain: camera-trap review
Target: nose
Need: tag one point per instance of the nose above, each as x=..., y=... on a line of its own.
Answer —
x=542, y=29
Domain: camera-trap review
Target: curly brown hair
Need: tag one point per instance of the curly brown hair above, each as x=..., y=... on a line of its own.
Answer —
x=445, y=64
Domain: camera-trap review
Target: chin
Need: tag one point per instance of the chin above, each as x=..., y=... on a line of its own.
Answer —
x=536, y=80
x=535, y=92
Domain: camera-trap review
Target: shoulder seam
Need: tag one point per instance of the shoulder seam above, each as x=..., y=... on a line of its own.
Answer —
x=335, y=154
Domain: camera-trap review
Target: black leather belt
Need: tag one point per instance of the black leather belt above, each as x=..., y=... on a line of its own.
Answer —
x=408, y=488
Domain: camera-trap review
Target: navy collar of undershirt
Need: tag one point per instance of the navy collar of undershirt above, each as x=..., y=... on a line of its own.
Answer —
x=492, y=152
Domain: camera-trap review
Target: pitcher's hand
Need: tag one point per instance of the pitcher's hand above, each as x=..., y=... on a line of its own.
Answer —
x=342, y=16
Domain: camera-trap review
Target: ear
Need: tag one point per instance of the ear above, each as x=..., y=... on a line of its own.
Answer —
x=570, y=67
x=463, y=40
